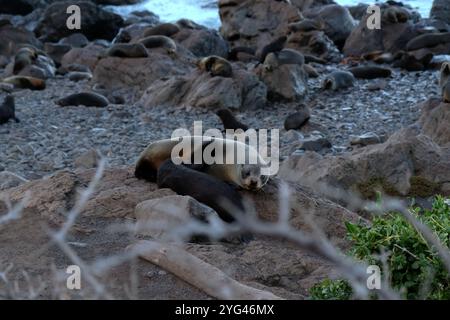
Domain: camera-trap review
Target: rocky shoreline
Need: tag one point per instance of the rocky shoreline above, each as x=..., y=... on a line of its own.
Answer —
x=388, y=130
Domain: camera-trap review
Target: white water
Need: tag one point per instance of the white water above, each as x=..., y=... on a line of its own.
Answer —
x=205, y=12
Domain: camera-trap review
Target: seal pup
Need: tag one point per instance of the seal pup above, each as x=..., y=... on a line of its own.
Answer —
x=164, y=29
x=127, y=50
x=229, y=121
x=8, y=110
x=370, y=72
x=395, y=14
x=285, y=56
x=235, y=53
x=88, y=99
x=216, y=66
x=204, y=188
x=444, y=82
x=24, y=82
x=428, y=40
x=159, y=42
x=338, y=80
x=275, y=46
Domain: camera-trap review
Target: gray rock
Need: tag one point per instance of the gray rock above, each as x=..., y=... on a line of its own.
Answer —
x=87, y=160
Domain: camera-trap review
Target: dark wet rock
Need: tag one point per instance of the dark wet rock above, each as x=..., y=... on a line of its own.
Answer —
x=75, y=40
x=13, y=38
x=296, y=120
x=440, y=11
x=56, y=51
x=88, y=56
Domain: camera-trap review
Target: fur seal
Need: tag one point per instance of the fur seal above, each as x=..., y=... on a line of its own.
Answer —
x=247, y=176
x=229, y=121
x=311, y=71
x=8, y=110
x=370, y=72
x=127, y=50
x=234, y=53
x=164, y=29
x=395, y=14
x=410, y=62
x=24, y=57
x=76, y=76
x=275, y=46
x=305, y=25
x=159, y=41
x=338, y=80
x=428, y=40
x=204, y=188
x=444, y=82
x=216, y=66
x=24, y=82
x=88, y=99
x=285, y=56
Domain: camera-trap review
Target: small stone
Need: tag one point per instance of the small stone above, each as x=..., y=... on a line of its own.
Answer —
x=87, y=160
x=296, y=120
x=316, y=144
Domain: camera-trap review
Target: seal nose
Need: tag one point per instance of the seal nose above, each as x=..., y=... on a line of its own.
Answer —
x=253, y=183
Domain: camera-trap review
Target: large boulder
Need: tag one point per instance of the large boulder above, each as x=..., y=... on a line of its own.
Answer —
x=241, y=91
x=255, y=23
x=288, y=82
x=88, y=56
x=103, y=230
x=440, y=11
x=96, y=23
x=435, y=121
x=337, y=20
x=315, y=43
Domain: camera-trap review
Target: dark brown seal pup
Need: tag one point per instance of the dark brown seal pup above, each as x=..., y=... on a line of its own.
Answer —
x=206, y=189
x=8, y=110
x=233, y=53
x=370, y=72
x=229, y=121
x=337, y=80
x=428, y=40
x=127, y=50
x=444, y=81
x=88, y=99
x=164, y=29
x=159, y=42
x=297, y=120
x=275, y=46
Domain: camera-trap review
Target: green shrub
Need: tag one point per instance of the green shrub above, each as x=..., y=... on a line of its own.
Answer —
x=331, y=290
x=410, y=261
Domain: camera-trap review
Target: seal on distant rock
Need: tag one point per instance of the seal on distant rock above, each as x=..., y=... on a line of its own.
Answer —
x=246, y=175
x=275, y=46
x=127, y=50
x=444, y=82
x=88, y=99
x=206, y=189
x=24, y=82
x=305, y=25
x=395, y=14
x=338, y=80
x=234, y=52
x=164, y=29
x=216, y=66
x=24, y=57
x=370, y=72
x=159, y=42
x=285, y=56
x=8, y=110
x=428, y=40
x=229, y=120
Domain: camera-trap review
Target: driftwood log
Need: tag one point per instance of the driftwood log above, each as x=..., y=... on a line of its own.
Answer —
x=197, y=272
